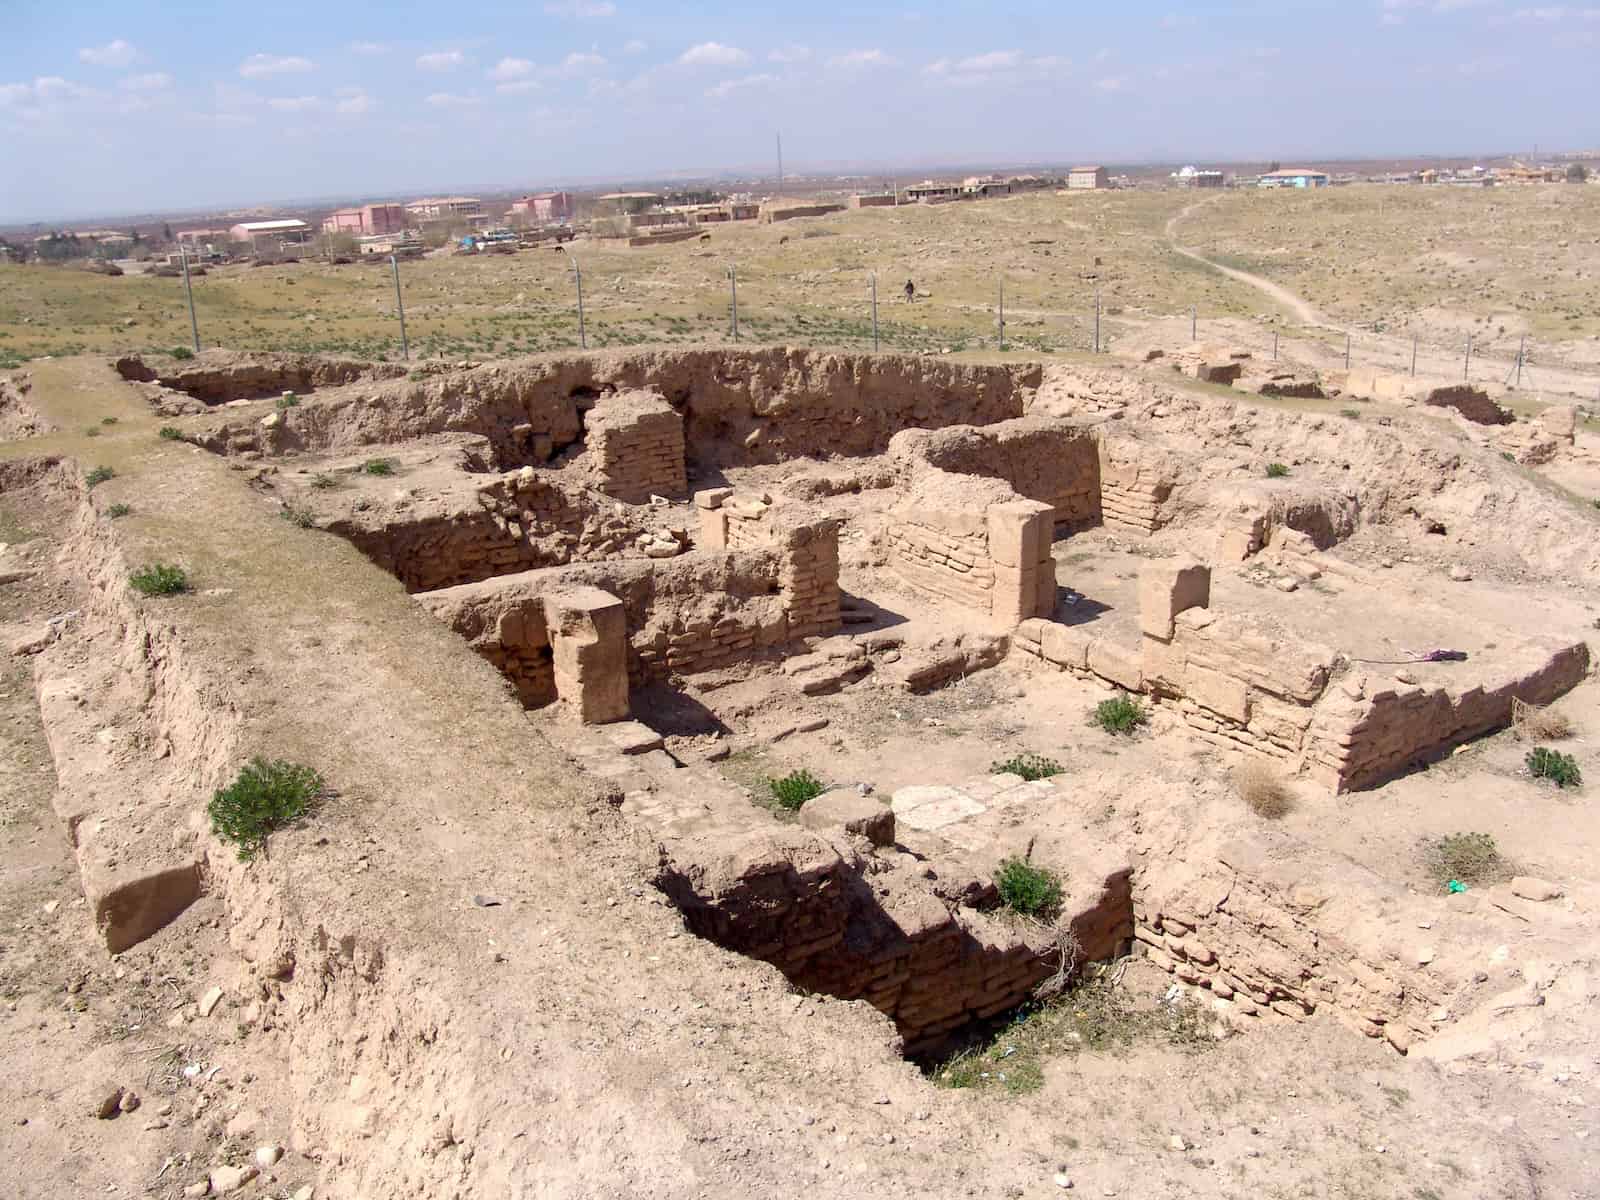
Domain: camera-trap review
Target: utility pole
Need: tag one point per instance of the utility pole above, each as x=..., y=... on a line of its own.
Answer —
x=1413, y=356
x=577, y=276
x=1522, y=348
x=188, y=290
x=733, y=295
x=1002, y=314
x=874, y=312
x=1466, y=367
x=1347, y=350
x=1193, y=322
x=1097, y=320
x=400, y=307
x=1274, y=345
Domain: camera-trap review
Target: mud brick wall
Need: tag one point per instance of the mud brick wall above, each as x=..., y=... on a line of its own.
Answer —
x=1135, y=483
x=522, y=521
x=931, y=967
x=634, y=441
x=808, y=578
x=1363, y=734
x=1041, y=460
x=946, y=554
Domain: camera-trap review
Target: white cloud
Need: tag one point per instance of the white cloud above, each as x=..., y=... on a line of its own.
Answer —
x=1102, y=54
x=713, y=54
x=636, y=46
x=449, y=100
x=577, y=62
x=1050, y=62
x=295, y=103
x=789, y=54
x=263, y=66
x=1176, y=21
x=729, y=86
x=511, y=68
x=117, y=53
x=517, y=87
x=354, y=101
x=1554, y=15
x=441, y=60
x=995, y=60
x=14, y=93
x=368, y=49
x=861, y=58
x=582, y=9
x=155, y=81
x=1111, y=84
x=1265, y=52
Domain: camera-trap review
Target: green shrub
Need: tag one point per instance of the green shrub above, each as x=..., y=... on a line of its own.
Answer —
x=288, y=400
x=379, y=466
x=302, y=517
x=1469, y=857
x=1120, y=715
x=1029, y=766
x=159, y=579
x=795, y=788
x=92, y=431
x=171, y=433
x=118, y=510
x=1027, y=889
x=1276, y=470
x=99, y=475
x=1353, y=414
x=108, y=420
x=263, y=797
x=322, y=481
x=182, y=352
x=1560, y=769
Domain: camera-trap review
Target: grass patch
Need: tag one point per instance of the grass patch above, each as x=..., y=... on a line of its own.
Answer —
x=1029, y=766
x=1095, y=1015
x=323, y=481
x=170, y=433
x=380, y=466
x=182, y=353
x=263, y=797
x=99, y=475
x=1278, y=470
x=1471, y=858
x=92, y=431
x=108, y=420
x=795, y=788
x=118, y=510
x=1263, y=790
x=159, y=579
x=1353, y=414
x=1560, y=769
x=288, y=400
x=1120, y=715
x=301, y=518
x=1027, y=889
x=1536, y=723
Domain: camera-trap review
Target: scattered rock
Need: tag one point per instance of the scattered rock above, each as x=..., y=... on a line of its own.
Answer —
x=268, y=1156
x=231, y=1179
x=1424, y=956
x=244, y=1123
x=304, y=1193
x=1460, y=574
x=1063, y=1182
x=1177, y=1143
x=209, y=1001
x=129, y=1102
x=108, y=1103
x=199, y=1188
x=1530, y=888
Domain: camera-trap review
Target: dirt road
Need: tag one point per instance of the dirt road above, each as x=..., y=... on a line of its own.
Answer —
x=1281, y=296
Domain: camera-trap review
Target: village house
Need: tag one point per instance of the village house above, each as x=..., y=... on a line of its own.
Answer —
x=1087, y=178
x=366, y=220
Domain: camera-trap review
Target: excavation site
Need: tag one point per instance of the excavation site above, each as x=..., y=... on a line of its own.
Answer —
x=780, y=771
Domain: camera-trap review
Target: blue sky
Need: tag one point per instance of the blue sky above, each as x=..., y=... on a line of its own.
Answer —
x=136, y=105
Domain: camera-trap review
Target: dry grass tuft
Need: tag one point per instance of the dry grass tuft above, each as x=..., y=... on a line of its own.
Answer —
x=1534, y=723
x=1264, y=790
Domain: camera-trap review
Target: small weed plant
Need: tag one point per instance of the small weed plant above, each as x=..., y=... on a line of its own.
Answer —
x=1350, y=414
x=99, y=475
x=182, y=353
x=1471, y=858
x=323, y=481
x=288, y=400
x=1029, y=766
x=1029, y=890
x=795, y=788
x=1120, y=715
x=1560, y=769
x=1536, y=723
x=1278, y=470
x=118, y=510
x=379, y=466
x=108, y=420
x=1263, y=790
x=301, y=518
x=92, y=431
x=159, y=579
x=263, y=797
x=170, y=433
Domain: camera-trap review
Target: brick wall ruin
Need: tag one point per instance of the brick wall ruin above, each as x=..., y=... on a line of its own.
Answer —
x=1136, y=481
x=634, y=443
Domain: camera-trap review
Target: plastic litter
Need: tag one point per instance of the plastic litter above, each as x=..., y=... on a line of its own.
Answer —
x=1454, y=886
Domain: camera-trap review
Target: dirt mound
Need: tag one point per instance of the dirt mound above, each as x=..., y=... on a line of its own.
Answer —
x=222, y=376
x=18, y=418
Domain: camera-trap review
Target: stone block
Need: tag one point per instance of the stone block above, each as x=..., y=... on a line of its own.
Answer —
x=1168, y=587
x=713, y=529
x=1018, y=531
x=589, y=643
x=712, y=497
x=848, y=808
x=1222, y=694
x=1560, y=421
x=1234, y=545
x=1065, y=645
x=1117, y=665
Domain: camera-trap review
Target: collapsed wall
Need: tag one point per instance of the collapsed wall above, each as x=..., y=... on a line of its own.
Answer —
x=220, y=376
x=18, y=417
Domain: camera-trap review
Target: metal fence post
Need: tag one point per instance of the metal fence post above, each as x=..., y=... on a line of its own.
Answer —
x=1413, y=356
x=1466, y=366
x=188, y=290
x=1347, y=351
x=400, y=307
x=1002, y=313
x=1522, y=348
x=1274, y=345
x=874, y=312
x=1097, y=320
x=1194, y=318
x=733, y=293
x=577, y=276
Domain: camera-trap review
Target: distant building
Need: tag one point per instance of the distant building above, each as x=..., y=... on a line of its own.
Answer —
x=929, y=192
x=1087, y=178
x=630, y=203
x=199, y=237
x=545, y=207
x=873, y=200
x=985, y=186
x=1293, y=177
x=272, y=233
x=445, y=208
x=401, y=244
x=1206, y=179
x=367, y=220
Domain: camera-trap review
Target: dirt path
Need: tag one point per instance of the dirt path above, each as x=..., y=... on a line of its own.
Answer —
x=1281, y=296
